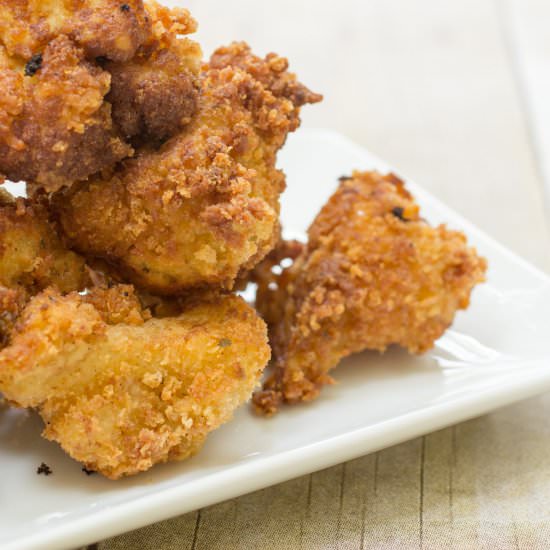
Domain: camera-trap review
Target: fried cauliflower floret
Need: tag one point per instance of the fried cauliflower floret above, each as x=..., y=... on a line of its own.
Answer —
x=122, y=393
x=113, y=29
x=32, y=256
x=75, y=106
x=205, y=206
x=55, y=126
x=372, y=274
x=154, y=95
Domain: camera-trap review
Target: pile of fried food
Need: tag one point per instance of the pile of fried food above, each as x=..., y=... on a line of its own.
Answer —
x=152, y=194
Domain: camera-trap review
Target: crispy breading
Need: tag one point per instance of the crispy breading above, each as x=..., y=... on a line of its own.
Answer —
x=154, y=95
x=205, y=206
x=67, y=114
x=55, y=126
x=117, y=304
x=108, y=28
x=32, y=256
x=372, y=274
x=123, y=393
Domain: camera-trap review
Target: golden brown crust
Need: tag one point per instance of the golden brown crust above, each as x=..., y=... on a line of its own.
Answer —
x=154, y=95
x=108, y=28
x=205, y=206
x=55, y=126
x=32, y=256
x=373, y=274
x=100, y=76
x=272, y=72
x=117, y=304
x=122, y=397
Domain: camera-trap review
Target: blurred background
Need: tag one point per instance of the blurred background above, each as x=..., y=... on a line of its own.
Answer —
x=453, y=93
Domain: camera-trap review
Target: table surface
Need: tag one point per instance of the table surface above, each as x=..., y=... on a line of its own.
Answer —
x=454, y=94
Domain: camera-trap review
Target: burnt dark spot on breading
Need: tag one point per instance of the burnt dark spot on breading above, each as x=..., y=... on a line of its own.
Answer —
x=124, y=7
x=101, y=59
x=33, y=64
x=397, y=211
x=344, y=178
x=88, y=472
x=44, y=469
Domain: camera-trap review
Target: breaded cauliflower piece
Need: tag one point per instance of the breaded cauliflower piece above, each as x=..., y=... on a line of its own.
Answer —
x=32, y=256
x=74, y=108
x=55, y=125
x=113, y=29
x=120, y=391
x=372, y=274
x=204, y=207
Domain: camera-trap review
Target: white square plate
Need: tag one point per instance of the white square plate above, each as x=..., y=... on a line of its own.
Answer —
x=496, y=353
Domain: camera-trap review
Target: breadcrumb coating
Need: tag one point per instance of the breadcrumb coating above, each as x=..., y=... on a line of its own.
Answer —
x=79, y=99
x=32, y=256
x=154, y=95
x=108, y=28
x=372, y=274
x=204, y=207
x=55, y=126
x=121, y=392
